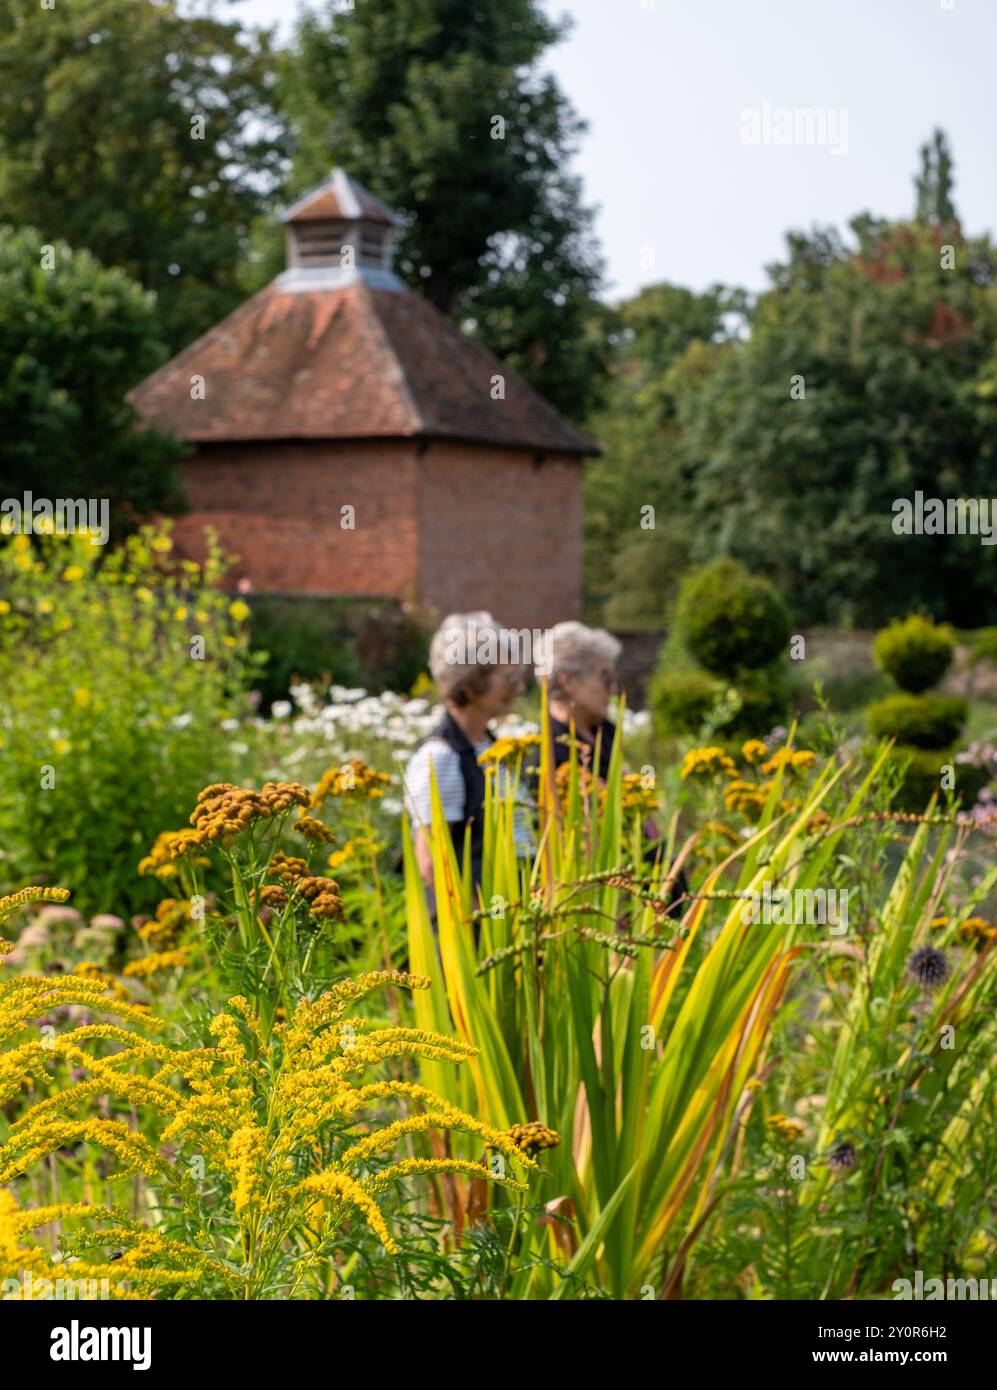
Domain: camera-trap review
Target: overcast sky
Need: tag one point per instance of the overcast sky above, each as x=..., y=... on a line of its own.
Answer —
x=668, y=88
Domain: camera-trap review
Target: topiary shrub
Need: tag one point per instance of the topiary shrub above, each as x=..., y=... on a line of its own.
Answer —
x=915, y=652
x=731, y=621
x=682, y=701
x=923, y=721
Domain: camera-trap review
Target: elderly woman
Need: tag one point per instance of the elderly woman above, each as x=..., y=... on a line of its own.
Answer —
x=580, y=665
x=474, y=694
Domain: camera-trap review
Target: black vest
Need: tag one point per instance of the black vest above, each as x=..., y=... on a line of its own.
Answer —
x=474, y=792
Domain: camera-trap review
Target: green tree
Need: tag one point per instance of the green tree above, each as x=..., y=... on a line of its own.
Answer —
x=73, y=338
x=637, y=495
x=934, y=183
x=870, y=373
x=144, y=134
x=439, y=107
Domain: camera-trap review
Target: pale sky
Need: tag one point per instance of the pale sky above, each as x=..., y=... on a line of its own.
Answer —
x=664, y=85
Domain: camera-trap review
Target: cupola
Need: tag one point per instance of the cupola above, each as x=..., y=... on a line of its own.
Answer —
x=337, y=233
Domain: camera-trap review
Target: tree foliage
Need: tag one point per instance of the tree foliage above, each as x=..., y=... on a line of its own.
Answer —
x=73, y=339
x=440, y=108
x=868, y=373
x=146, y=135
x=634, y=557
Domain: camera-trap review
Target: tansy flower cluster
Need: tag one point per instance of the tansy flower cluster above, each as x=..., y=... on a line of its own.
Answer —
x=531, y=1137
x=170, y=847
x=321, y=894
x=147, y=966
x=975, y=931
x=313, y=829
x=708, y=762
x=354, y=778
x=746, y=798
x=787, y=1129
x=636, y=796
x=224, y=811
x=161, y=932
x=505, y=750
x=794, y=760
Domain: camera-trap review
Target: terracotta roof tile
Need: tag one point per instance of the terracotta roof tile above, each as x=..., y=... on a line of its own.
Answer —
x=347, y=363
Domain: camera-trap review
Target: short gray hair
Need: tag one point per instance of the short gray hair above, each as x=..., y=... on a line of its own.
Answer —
x=572, y=649
x=453, y=651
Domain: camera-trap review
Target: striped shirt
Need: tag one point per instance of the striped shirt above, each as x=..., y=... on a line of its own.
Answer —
x=445, y=763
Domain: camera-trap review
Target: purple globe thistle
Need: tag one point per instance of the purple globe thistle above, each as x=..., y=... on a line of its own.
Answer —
x=929, y=967
x=843, y=1157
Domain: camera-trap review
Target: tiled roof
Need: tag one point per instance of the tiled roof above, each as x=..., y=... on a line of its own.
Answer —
x=347, y=362
x=340, y=197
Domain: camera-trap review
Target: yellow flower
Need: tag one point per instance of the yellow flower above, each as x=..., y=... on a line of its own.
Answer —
x=21, y=544
x=785, y=1128
x=228, y=640
x=707, y=762
x=162, y=544
x=45, y=605
x=81, y=696
x=4, y=606
x=72, y=573
x=61, y=746
x=180, y=613
x=339, y=857
x=239, y=610
x=753, y=750
x=144, y=594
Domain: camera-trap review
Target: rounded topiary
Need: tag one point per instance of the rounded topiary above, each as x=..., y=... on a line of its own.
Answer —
x=682, y=701
x=923, y=721
x=731, y=621
x=915, y=652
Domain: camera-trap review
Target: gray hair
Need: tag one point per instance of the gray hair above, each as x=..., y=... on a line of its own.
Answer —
x=453, y=654
x=572, y=649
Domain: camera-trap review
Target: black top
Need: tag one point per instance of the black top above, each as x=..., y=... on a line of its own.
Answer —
x=473, y=776
x=560, y=741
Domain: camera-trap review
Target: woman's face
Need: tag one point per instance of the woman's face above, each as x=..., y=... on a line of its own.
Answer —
x=589, y=693
x=504, y=686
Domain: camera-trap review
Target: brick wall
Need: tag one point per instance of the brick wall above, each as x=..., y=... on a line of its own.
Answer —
x=497, y=531
x=450, y=526
x=277, y=506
